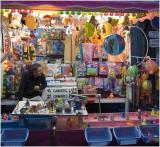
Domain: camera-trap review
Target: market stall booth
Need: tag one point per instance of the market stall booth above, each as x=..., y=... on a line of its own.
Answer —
x=92, y=54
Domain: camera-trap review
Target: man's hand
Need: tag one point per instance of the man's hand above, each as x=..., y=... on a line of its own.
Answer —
x=37, y=88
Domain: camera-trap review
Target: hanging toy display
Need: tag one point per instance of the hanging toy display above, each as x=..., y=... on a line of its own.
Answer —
x=150, y=66
x=145, y=76
x=89, y=29
x=132, y=71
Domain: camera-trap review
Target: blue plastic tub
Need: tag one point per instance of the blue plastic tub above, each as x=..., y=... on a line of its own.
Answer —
x=149, y=133
x=98, y=136
x=38, y=122
x=126, y=135
x=9, y=124
x=14, y=137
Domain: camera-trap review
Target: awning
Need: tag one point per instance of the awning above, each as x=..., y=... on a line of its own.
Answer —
x=105, y=5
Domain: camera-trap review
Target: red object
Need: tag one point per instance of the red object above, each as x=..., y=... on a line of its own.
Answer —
x=30, y=11
x=146, y=114
x=13, y=10
x=5, y=116
x=150, y=66
x=19, y=11
x=24, y=11
x=156, y=121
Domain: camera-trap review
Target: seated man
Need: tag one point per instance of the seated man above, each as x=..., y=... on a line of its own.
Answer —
x=33, y=82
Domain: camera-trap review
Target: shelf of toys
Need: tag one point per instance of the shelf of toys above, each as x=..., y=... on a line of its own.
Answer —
x=33, y=37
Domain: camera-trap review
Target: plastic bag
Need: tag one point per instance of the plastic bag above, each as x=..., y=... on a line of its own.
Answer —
x=88, y=52
x=107, y=84
x=81, y=69
x=103, y=68
x=99, y=82
x=97, y=52
x=81, y=82
x=92, y=69
x=58, y=47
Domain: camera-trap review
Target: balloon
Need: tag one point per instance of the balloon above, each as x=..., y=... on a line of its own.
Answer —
x=145, y=76
x=132, y=71
x=150, y=66
x=114, y=44
x=89, y=29
x=146, y=85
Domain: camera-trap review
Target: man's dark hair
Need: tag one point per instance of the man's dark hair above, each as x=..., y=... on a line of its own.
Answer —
x=35, y=66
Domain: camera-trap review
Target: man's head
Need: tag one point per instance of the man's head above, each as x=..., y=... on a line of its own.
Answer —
x=37, y=69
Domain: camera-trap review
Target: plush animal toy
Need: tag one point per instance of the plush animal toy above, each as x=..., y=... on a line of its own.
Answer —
x=144, y=89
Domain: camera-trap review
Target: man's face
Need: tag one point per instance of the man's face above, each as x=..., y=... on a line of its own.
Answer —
x=38, y=72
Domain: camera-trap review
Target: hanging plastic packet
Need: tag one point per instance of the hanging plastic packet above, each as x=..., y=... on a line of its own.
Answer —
x=117, y=87
x=66, y=69
x=81, y=69
x=97, y=52
x=91, y=81
x=81, y=82
x=57, y=47
x=88, y=52
x=99, y=82
x=107, y=85
x=92, y=69
x=103, y=68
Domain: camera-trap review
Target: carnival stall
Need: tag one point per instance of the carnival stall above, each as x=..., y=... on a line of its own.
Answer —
x=97, y=57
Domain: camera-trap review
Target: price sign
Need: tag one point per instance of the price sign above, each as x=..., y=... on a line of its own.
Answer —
x=153, y=34
x=154, y=43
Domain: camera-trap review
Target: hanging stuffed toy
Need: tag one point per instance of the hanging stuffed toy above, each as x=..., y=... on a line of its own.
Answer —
x=32, y=52
x=30, y=22
x=144, y=90
x=150, y=66
x=107, y=28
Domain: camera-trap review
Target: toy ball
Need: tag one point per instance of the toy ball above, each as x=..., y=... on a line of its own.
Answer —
x=5, y=116
x=146, y=85
x=15, y=117
x=156, y=121
x=78, y=57
x=146, y=114
x=144, y=120
x=149, y=136
x=145, y=76
x=132, y=71
x=129, y=79
x=9, y=117
x=89, y=29
x=150, y=66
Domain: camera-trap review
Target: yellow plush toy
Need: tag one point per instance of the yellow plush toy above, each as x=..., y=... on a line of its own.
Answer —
x=30, y=22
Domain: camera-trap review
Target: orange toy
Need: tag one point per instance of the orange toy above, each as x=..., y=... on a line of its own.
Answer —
x=144, y=89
